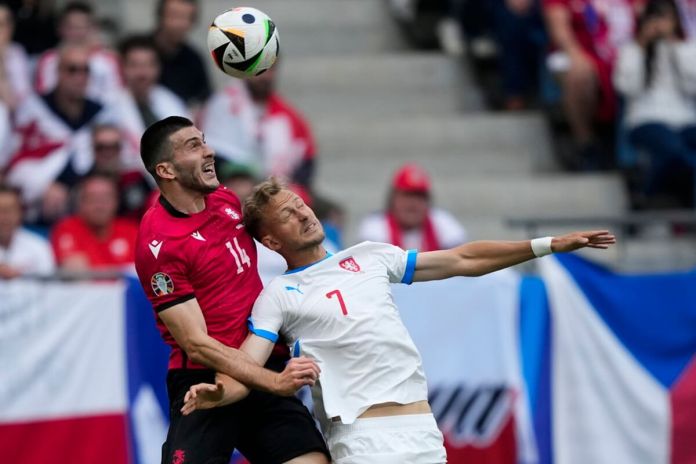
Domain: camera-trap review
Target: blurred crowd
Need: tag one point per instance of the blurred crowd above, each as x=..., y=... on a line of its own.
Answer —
x=616, y=78
x=75, y=98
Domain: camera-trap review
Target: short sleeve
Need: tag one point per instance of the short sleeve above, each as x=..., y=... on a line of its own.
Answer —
x=164, y=279
x=266, y=316
x=400, y=264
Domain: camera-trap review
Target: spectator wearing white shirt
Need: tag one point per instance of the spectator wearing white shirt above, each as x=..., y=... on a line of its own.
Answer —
x=410, y=221
x=142, y=101
x=21, y=252
x=656, y=75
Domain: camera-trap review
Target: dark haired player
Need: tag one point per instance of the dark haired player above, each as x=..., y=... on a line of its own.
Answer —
x=197, y=264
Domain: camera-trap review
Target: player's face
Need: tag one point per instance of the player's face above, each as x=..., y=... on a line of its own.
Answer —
x=193, y=161
x=291, y=224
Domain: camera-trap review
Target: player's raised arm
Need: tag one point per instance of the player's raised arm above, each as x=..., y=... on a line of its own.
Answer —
x=482, y=257
x=186, y=324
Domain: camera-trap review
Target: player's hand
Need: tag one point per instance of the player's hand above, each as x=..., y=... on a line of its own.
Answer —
x=600, y=239
x=297, y=373
x=207, y=395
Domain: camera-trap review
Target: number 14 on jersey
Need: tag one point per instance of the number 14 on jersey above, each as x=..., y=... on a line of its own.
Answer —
x=240, y=255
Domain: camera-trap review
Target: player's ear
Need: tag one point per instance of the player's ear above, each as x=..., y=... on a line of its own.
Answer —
x=270, y=242
x=165, y=170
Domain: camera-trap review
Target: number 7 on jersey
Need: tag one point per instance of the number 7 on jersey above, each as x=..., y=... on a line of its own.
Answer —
x=339, y=296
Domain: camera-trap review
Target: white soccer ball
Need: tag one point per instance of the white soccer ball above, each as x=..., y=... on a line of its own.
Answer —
x=243, y=42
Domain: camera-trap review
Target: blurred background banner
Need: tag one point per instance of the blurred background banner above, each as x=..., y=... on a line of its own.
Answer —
x=468, y=334
x=623, y=374
x=578, y=365
x=82, y=374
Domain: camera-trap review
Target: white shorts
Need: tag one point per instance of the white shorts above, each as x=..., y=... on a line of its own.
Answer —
x=410, y=439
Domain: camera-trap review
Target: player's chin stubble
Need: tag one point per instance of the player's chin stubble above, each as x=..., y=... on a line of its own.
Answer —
x=190, y=181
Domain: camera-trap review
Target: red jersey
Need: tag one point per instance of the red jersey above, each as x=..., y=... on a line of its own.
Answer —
x=73, y=237
x=208, y=256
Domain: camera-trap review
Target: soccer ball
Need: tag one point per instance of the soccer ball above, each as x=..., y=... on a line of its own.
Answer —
x=243, y=42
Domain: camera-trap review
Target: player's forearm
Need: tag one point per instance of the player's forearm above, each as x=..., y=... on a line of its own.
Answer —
x=235, y=363
x=486, y=256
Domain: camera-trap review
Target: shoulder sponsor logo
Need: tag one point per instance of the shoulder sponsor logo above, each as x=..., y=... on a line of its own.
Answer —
x=349, y=264
x=162, y=284
x=197, y=235
x=155, y=247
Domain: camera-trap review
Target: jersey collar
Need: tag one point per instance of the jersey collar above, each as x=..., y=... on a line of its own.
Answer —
x=170, y=208
x=302, y=268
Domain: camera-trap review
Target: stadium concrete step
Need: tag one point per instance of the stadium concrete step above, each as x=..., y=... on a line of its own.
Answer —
x=462, y=145
x=386, y=84
x=305, y=27
x=489, y=199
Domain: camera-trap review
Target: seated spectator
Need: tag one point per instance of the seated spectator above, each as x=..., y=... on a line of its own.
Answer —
x=14, y=64
x=587, y=34
x=519, y=30
x=656, y=75
x=76, y=26
x=94, y=238
x=54, y=132
x=134, y=188
x=249, y=123
x=142, y=101
x=410, y=221
x=183, y=69
x=21, y=252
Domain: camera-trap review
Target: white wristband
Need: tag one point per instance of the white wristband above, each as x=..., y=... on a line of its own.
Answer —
x=542, y=246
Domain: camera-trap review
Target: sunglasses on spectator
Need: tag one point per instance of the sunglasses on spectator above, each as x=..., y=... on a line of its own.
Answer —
x=76, y=69
x=107, y=146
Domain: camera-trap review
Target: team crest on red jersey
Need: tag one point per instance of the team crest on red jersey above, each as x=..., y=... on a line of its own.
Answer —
x=349, y=264
x=162, y=284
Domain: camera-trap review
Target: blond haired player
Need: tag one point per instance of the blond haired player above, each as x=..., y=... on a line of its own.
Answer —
x=371, y=396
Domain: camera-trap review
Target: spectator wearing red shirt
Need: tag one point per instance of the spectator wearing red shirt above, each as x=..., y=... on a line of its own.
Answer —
x=587, y=34
x=95, y=238
x=250, y=123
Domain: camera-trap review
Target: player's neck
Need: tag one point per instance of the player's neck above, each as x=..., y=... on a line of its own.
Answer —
x=185, y=201
x=306, y=257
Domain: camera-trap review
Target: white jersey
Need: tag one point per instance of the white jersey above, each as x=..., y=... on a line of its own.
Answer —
x=340, y=311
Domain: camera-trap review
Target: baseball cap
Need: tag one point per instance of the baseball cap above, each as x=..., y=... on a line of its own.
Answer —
x=411, y=178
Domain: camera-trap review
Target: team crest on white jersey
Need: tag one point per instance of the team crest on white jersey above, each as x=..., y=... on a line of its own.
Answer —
x=233, y=214
x=349, y=264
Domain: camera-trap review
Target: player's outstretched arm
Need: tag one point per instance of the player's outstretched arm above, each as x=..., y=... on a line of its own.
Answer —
x=482, y=257
x=186, y=324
